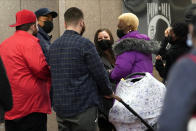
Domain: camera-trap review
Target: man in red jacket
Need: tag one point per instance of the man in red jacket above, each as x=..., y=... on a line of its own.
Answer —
x=29, y=76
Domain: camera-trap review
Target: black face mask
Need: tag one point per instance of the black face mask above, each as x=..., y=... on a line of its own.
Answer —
x=120, y=33
x=48, y=26
x=104, y=44
x=170, y=40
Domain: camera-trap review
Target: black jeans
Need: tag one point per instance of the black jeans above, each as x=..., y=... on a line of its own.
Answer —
x=31, y=122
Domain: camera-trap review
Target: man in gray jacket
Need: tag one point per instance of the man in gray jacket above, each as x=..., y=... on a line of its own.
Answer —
x=180, y=101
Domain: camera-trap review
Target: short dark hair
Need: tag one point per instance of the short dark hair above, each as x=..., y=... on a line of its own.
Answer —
x=180, y=29
x=73, y=15
x=24, y=27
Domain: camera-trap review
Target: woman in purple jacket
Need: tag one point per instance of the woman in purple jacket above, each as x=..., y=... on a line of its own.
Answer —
x=134, y=50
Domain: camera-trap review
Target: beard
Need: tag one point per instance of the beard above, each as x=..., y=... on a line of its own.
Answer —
x=34, y=34
x=83, y=30
x=35, y=31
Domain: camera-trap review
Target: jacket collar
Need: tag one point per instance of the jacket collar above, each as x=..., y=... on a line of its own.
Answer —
x=26, y=34
x=71, y=32
x=130, y=34
x=135, y=34
x=134, y=44
x=44, y=34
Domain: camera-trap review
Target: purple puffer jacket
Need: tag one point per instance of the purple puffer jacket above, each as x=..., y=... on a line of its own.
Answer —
x=133, y=54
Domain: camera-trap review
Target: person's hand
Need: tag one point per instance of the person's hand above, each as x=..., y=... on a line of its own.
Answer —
x=109, y=70
x=114, y=97
x=158, y=57
x=110, y=96
x=167, y=31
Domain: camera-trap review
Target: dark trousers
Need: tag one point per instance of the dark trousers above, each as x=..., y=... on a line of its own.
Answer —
x=104, y=108
x=85, y=121
x=31, y=122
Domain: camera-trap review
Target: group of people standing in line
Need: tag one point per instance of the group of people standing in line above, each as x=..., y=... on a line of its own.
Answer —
x=75, y=77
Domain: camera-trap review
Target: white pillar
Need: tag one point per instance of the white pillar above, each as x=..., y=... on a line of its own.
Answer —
x=193, y=1
x=61, y=16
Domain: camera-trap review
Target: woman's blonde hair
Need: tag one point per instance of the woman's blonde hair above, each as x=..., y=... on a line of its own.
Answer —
x=130, y=19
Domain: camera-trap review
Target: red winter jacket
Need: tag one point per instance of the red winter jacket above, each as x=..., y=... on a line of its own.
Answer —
x=28, y=74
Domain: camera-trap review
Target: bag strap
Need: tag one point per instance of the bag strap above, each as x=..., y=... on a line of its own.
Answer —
x=150, y=128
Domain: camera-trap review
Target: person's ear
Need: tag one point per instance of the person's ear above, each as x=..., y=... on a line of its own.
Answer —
x=81, y=23
x=126, y=30
x=131, y=28
x=32, y=27
x=65, y=25
x=35, y=26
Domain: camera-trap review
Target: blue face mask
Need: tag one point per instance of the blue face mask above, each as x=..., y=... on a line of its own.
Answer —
x=189, y=40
